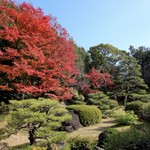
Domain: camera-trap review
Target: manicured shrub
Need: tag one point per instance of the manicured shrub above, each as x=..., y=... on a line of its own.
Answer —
x=135, y=106
x=88, y=114
x=66, y=146
x=79, y=102
x=77, y=98
x=102, y=138
x=78, y=143
x=4, y=108
x=146, y=112
x=113, y=104
x=41, y=117
x=120, y=140
x=140, y=96
x=126, y=118
x=102, y=101
x=133, y=138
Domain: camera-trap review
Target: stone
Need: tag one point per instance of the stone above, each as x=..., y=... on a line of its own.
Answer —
x=73, y=124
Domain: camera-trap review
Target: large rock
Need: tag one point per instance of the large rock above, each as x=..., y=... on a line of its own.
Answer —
x=73, y=124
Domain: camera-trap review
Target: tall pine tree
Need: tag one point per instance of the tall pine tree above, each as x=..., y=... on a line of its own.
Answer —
x=130, y=85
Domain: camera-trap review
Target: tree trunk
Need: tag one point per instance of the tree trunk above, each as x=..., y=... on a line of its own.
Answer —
x=23, y=95
x=125, y=100
x=126, y=97
x=32, y=137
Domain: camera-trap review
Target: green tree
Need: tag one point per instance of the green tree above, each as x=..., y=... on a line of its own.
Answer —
x=41, y=117
x=129, y=83
x=82, y=60
x=142, y=54
x=105, y=57
x=102, y=101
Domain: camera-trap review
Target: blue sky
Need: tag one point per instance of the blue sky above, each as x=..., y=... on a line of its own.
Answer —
x=91, y=22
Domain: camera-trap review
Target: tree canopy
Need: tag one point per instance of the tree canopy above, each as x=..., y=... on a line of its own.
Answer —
x=36, y=54
x=41, y=117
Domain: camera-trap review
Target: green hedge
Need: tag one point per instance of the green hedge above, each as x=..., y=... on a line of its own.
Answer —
x=136, y=106
x=88, y=114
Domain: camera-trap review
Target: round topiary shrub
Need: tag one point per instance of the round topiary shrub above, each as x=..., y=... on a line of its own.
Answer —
x=88, y=114
x=103, y=136
x=135, y=106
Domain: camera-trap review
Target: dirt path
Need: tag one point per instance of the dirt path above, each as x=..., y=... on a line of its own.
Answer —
x=94, y=130
x=91, y=131
x=17, y=139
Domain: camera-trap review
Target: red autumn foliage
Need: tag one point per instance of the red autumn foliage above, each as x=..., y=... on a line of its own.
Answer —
x=95, y=80
x=36, y=54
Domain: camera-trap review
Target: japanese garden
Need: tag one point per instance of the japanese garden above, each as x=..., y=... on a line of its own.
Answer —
x=60, y=96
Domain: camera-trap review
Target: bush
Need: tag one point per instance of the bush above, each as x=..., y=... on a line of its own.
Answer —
x=146, y=112
x=78, y=143
x=41, y=117
x=133, y=138
x=4, y=109
x=102, y=139
x=135, y=106
x=102, y=101
x=140, y=96
x=66, y=146
x=126, y=118
x=88, y=114
x=77, y=98
x=79, y=102
x=120, y=140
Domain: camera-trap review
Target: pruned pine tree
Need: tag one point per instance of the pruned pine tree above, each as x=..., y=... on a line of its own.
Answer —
x=102, y=101
x=142, y=54
x=130, y=84
x=41, y=117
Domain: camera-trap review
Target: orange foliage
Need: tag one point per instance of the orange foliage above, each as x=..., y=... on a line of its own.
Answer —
x=36, y=54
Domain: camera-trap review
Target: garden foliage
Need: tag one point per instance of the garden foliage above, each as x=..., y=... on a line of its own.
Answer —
x=88, y=114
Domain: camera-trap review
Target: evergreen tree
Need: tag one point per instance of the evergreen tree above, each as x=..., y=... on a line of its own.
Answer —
x=82, y=62
x=41, y=117
x=142, y=54
x=102, y=101
x=129, y=83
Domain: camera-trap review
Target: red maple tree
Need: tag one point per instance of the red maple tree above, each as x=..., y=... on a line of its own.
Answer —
x=36, y=54
x=95, y=81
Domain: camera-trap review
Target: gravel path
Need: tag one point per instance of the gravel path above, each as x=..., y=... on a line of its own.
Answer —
x=94, y=130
